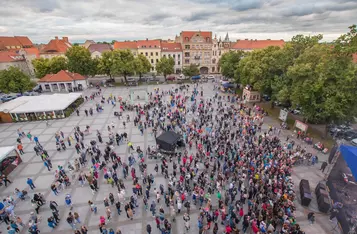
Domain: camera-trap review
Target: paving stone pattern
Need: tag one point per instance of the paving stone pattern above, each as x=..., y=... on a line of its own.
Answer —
x=33, y=167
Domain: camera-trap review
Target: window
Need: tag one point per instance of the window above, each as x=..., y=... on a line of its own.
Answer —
x=169, y=55
x=187, y=54
x=47, y=87
x=164, y=55
x=141, y=53
x=157, y=60
x=187, y=47
x=152, y=68
x=213, y=61
x=207, y=39
x=146, y=53
x=152, y=61
x=213, y=69
x=187, y=61
x=178, y=56
x=149, y=46
x=173, y=56
x=151, y=53
x=219, y=53
x=157, y=53
x=179, y=62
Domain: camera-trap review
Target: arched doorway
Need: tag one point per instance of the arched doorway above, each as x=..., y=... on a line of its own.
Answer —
x=204, y=70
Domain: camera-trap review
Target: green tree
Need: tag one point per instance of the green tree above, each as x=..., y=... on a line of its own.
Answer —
x=79, y=60
x=105, y=64
x=191, y=70
x=14, y=80
x=57, y=64
x=123, y=63
x=41, y=66
x=165, y=66
x=229, y=62
x=141, y=65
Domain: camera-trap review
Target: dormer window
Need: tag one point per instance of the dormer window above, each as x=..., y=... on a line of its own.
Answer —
x=186, y=38
x=207, y=39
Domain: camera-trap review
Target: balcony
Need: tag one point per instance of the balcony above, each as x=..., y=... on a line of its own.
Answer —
x=197, y=57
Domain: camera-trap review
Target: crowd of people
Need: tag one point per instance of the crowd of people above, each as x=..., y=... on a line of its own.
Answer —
x=235, y=175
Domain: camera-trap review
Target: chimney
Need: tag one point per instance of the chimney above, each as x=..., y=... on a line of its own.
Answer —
x=147, y=39
x=268, y=39
x=65, y=39
x=246, y=39
x=56, y=37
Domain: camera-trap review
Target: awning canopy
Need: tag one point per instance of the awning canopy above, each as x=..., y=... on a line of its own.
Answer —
x=41, y=103
x=168, y=140
x=349, y=153
x=5, y=151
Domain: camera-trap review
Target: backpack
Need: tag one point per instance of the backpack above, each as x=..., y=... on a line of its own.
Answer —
x=69, y=220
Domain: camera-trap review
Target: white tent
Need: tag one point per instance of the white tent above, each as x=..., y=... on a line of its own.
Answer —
x=42, y=103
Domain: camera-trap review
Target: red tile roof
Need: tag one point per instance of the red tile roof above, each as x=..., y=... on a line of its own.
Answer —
x=257, y=44
x=149, y=44
x=125, y=45
x=8, y=56
x=61, y=76
x=15, y=41
x=172, y=47
x=99, y=47
x=57, y=46
x=33, y=51
x=190, y=34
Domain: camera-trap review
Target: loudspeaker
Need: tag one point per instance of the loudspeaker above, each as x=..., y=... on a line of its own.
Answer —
x=321, y=192
x=306, y=199
x=320, y=186
x=323, y=204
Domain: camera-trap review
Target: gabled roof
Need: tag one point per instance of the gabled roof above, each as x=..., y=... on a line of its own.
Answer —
x=57, y=46
x=32, y=51
x=125, y=45
x=149, y=44
x=8, y=56
x=61, y=76
x=256, y=44
x=171, y=47
x=190, y=34
x=99, y=47
x=15, y=41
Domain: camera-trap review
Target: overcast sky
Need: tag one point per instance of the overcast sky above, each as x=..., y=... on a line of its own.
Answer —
x=101, y=20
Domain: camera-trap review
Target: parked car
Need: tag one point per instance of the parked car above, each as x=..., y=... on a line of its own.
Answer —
x=354, y=141
x=132, y=82
x=171, y=77
x=210, y=77
x=182, y=77
x=196, y=77
x=37, y=89
x=266, y=97
x=30, y=93
x=108, y=81
x=7, y=98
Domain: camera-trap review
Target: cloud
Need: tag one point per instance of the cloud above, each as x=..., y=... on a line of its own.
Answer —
x=100, y=20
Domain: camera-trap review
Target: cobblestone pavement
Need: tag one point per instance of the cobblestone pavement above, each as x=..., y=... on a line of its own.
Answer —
x=33, y=167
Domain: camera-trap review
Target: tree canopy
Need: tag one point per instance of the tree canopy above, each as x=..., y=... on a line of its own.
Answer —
x=165, y=66
x=14, y=80
x=44, y=66
x=141, y=65
x=229, y=62
x=79, y=60
x=191, y=70
x=319, y=77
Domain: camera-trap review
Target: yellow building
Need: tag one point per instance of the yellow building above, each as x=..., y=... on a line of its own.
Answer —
x=151, y=49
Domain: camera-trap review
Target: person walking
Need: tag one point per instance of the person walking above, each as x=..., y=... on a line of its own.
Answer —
x=30, y=183
x=323, y=166
x=5, y=179
x=36, y=141
x=76, y=217
x=70, y=221
x=21, y=149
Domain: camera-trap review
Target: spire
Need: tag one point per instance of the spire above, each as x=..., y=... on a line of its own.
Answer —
x=215, y=36
x=227, y=38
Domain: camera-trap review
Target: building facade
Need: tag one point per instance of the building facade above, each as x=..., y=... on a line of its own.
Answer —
x=56, y=47
x=96, y=50
x=12, y=59
x=126, y=45
x=63, y=81
x=196, y=49
x=219, y=47
x=151, y=49
x=174, y=50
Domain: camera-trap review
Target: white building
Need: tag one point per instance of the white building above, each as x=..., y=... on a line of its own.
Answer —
x=96, y=50
x=63, y=81
x=173, y=50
